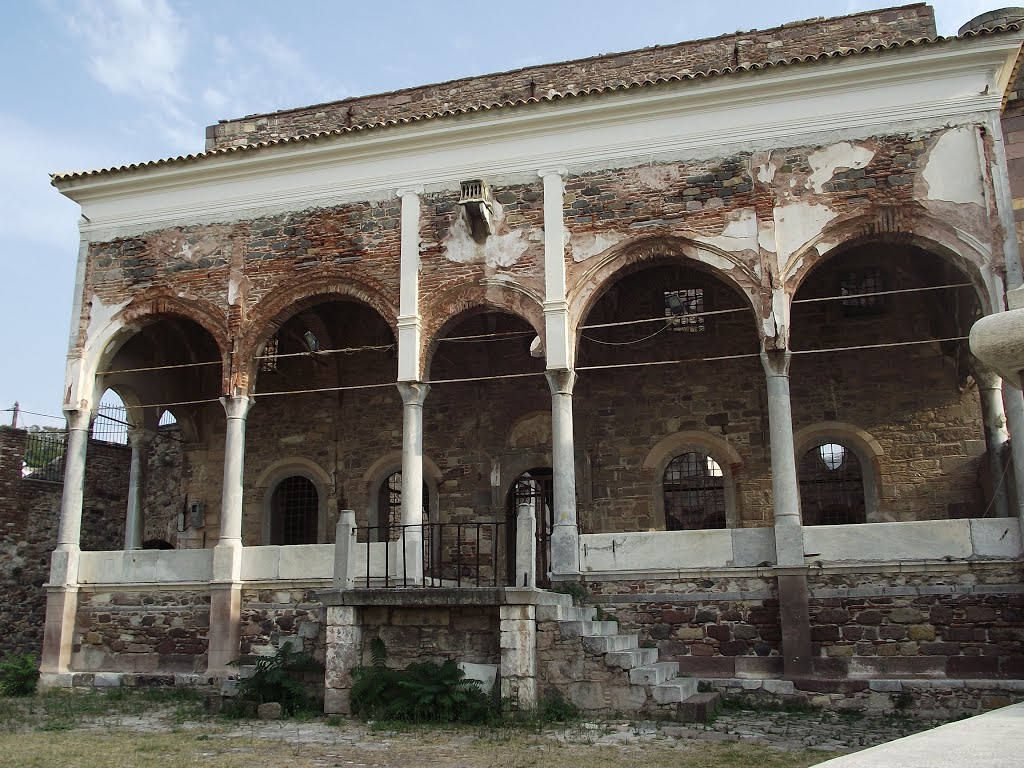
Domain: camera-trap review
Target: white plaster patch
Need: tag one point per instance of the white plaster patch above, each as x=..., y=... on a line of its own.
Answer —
x=587, y=245
x=796, y=224
x=494, y=251
x=953, y=173
x=714, y=260
x=659, y=178
x=766, y=235
x=825, y=162
x=100, y=316
x=739, y=233
x=780, y=313
x=232, y=291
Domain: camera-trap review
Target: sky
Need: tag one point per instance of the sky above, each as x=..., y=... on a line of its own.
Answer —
x=98, y=83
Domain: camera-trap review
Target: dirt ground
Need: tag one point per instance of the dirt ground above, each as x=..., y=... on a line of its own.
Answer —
x=127, y=730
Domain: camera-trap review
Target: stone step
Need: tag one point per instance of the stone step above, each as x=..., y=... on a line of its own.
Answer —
x=588, y=628
x=699, y=708
x=609, y=643
x=654, y=674
x=635, y=657
x=564, y=613
x=548, y=597
x=675, y=690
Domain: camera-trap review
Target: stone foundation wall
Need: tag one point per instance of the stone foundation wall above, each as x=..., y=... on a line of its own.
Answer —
x=463, y=633
x=141, y=632
x=272, y=617
x=719, y=626
x=961, y=621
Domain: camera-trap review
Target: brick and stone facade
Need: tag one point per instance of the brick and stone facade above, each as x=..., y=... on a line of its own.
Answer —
x=837, y=240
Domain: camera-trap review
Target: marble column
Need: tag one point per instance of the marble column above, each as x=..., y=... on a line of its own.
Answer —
x=226, y=588
x=794, y=607
x=413, y=395
x=134, y=522
x=565, y=547
x=62, y=588
x=993, y=416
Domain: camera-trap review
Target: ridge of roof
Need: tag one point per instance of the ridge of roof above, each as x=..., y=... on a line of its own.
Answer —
x=56, y=178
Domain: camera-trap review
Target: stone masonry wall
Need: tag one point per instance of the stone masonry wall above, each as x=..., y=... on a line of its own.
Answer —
x=961, y=622
x=271, y=617
x=464, y=633
x=796, y=39
x=29, y=516
x=141, y=632
x=718, y=626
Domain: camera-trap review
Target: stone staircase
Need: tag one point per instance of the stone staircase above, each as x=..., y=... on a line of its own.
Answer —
x=610, y=671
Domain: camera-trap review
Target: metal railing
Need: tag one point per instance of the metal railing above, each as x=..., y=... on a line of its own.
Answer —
x=433, y=555
x=44, y=456
x=111, y=425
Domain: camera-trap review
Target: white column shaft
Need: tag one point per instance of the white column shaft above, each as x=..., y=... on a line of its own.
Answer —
x=133, y=521
x=413, y=395
x=785, y=485
x=237, y=409
x=69, y=533
x=556, y=310
x=565, y=555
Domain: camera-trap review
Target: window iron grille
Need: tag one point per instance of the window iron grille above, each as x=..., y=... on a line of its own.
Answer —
x=680, y=308
x=111, y=425
x=831, y=486
x=854, y=285
x=268, y=360
x=295, y=508
x=694, y=491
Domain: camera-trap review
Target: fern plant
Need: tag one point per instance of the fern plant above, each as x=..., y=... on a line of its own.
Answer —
x=279, y=678
x=425, y=691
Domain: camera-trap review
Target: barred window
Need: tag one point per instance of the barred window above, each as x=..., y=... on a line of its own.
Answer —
x=294, y=509
x=694, y=488
x=855, y=286
x=831, y=486
x=681, y=305
x=268, y=360
x=389, y=508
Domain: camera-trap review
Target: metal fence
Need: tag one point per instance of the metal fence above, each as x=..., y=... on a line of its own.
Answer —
x=111, y=425
x=44, y=456
x=453, y=555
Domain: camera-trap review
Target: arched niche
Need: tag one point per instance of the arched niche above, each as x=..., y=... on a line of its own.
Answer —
x=271, y=477
x=867, y=450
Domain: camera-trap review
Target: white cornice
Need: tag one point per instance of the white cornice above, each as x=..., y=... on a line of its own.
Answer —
x=930, y=85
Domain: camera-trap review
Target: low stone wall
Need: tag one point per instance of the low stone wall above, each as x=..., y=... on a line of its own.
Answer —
x=272, y=617
x=162, y=632
x=714, y=626
x=463, y=633
x=961, y=621
x=922, y=698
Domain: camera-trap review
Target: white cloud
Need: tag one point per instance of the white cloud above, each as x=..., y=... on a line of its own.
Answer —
x=135, y=47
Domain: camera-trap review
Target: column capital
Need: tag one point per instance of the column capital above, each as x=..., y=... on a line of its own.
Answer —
x=561, y=382
x=237, y=406
x=776, y=362
x=78, y=418
x=413, y=392
x=413, y=190
x=552, y=171
x=139, y=437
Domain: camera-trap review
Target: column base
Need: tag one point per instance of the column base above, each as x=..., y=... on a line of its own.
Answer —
x=225, y=629
x=344, y=652
x=518, y=643
x=794, y=612
x=59, y=630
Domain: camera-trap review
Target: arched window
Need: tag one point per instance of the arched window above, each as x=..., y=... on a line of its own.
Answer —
x=694, y=492
x=831, y=486
x=167, y=419
x=294, y=511
x=389, y=507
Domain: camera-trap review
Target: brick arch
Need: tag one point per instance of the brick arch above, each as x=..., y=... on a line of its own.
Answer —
x=904, y=225
x=455, y=305
x=147, y=309
x=620, y=260
x=280, y=305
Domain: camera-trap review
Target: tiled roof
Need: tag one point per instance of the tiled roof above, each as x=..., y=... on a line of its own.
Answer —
x=645, y=83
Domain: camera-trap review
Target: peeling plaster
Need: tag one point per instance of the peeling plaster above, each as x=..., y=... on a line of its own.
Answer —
x=739, y=233
x=495, y=251
x=583, y=246
x=796, y=224
x=232, y=291
x=825, y=162
x=766, y=235
x=659, y=178
x=777, y=322
x=100, y=316
x=952, y=172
